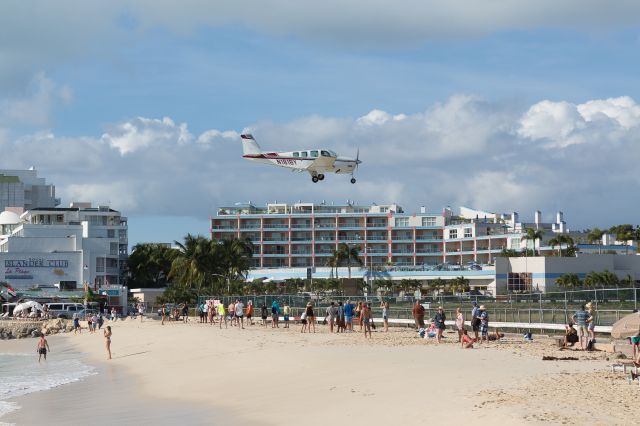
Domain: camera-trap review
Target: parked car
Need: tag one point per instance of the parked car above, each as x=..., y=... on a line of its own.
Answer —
x=64, y=310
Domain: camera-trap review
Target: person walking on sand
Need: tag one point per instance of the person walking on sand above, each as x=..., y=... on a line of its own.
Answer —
x=385, y=315
x=76, y=324
x=107, y=340
x=311, y=317
x=459, y=323
x=475, y=320
x=418, y=315
x=365, y=315
x=42, y=347
x=440, y=319
x=164, y=312
x=231, y=311
x=240, y=314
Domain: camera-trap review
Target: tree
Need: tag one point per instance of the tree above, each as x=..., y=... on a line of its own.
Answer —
x=509, y=253
x=569, y=281
x=559, y=240
x=194, y=261
x=349, y=255
x=149, y=265
x=604, y=279
x=533, y=235
x=459, y=284
x=176, y=293
x=595, y=236
x=623, y=233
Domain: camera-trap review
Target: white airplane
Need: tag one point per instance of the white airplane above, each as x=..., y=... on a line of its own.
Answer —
x=315, y=161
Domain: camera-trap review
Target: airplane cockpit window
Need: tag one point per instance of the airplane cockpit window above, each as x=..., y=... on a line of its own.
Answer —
x=314, y=153
x=325, y=153
x=296, y=154
x=333, y=154
x=303, y=154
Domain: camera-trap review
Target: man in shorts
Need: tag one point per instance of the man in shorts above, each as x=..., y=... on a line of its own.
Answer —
x=239, y=314
x=43, y=347
x=484, y=324
x=286, y=310
x=348, y=316
x=580, y=318
x=475, y=320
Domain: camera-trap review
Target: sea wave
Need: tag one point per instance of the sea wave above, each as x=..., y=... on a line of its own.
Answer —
x=21, y=374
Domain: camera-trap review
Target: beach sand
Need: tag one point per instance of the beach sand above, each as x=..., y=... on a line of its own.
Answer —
x=265, y=376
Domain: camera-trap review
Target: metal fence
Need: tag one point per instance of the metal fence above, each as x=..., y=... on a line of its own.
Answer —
x=553, y=307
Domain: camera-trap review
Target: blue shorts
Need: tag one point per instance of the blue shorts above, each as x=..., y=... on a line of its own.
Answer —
x=348, y=319
x=484, y=329
x=286, y=317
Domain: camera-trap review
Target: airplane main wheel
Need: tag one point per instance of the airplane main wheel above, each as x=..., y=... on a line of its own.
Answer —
x=353, y=180
x=314, y=179
x=321, y=176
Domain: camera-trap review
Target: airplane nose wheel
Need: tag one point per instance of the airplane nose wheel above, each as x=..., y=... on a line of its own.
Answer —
x=321, y=177
x=353, y=180
x=314, y=179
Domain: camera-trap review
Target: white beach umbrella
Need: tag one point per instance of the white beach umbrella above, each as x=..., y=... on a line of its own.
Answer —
x=27, y=305
x=626, y=326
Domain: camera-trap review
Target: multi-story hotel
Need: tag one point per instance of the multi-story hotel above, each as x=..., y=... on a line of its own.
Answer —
x=66, y=246
x=305, y=234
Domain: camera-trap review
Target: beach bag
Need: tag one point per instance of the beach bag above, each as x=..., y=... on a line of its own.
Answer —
x=373, y=325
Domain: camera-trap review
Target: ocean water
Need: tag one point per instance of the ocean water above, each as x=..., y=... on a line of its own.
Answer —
x=21, y=374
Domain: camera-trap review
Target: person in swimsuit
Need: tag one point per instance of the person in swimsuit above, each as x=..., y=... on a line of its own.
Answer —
x=231, y=311
x=311, y=317
x=365, y=318
x=42, y=347
x=107, y=338
x=459, y=323
x=250, y=312
x=164, y=312
x=467, y=341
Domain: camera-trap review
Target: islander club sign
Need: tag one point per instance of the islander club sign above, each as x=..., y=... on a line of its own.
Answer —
x=21, y=269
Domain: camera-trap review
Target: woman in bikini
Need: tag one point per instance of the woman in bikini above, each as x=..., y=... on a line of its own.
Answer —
x=107, y=338
x=311, y=318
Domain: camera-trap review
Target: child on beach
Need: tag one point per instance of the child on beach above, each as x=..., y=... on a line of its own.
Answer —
x=42, y=347
x=303, y=320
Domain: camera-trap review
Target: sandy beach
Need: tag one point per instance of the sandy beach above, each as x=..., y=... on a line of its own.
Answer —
x=265, y=376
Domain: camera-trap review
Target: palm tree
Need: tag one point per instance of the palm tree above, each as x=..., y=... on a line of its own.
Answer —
x=569, y=281
x=459, y=284
x=623, y=233
x=349, y=255
x=533, y=235
x=559, y=240
x=191, y=266
x=595, y=236
x=334, y=262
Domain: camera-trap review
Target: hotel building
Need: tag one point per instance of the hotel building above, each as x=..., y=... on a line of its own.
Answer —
x=63, y=246
x=291, y=238
x=25, y=190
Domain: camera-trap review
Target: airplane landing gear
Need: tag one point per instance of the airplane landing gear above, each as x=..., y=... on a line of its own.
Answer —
x=353, y=180
x=321, y=177
x=314, y=179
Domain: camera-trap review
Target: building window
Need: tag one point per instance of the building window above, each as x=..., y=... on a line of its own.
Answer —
x=453, y=233
x=519, y=282
x=467, y=233
x=111, y=233
x=429, y=221
x=402, y=221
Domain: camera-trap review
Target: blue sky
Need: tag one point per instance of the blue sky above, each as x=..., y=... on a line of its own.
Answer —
x=530, y=105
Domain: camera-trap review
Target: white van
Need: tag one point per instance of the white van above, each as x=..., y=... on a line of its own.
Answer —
x=64, y=310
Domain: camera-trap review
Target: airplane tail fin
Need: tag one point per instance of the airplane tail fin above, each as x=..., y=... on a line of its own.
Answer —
x=249, y=145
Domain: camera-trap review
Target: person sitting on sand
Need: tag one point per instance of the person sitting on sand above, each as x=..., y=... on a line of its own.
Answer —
x=495, y=336
x=467, y=341
x=570, y=336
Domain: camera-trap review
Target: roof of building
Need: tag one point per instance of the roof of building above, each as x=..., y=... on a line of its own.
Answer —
x=9, y=218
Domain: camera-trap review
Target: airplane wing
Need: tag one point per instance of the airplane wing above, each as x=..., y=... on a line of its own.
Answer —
x=321, y=164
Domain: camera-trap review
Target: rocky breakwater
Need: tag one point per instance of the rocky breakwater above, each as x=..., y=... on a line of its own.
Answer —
x=20, y=329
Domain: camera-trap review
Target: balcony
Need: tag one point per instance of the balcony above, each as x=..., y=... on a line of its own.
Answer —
x=224, y=228
x=326, y=225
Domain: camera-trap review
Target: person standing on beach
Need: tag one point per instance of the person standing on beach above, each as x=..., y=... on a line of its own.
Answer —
x=231, y=311
x=348, y=316
x=484, y=324
x=440, y=319
x=459, y=323
x=418, y=315
x=286, y=310
x=263, y=314
x=475, y=320
x=591, y=322
x=114, y=314
x=275, y=314
x=141, y=311
x=303, y=321
x=250, y=312
x=185, y=312
x=222, y=315
x=311, y=317
x=164, y=312
x=385, y=315
x=76, y=324
x=332, y=313
x=107, y=340
x=340, y=320
x=580, y=318
x=42, y=347
x=240, y=314
x=358, y=315
x=365, y=317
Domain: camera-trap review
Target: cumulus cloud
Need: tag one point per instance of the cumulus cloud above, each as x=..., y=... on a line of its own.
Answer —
x=465, y=151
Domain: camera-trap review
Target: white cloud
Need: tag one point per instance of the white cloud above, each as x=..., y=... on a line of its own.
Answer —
x=465, y=150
